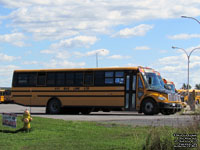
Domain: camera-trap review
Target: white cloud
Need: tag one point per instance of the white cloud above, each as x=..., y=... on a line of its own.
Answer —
x=63, y=64
x=132, y=65
x=100, y=52
x=142, y=48
x=47, y=51
x=30, y=62
x=174, y=68
x=7, y=69
x=62, y=48
x=78, y=41
x=63, y=55
x=6, y=73
x=139, y=30
x=45, y=20
x=13, y=38
x=184, y=36
x=118, y=57
x=6, y=58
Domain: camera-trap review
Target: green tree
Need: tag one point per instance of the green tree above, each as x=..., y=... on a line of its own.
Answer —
x=185, y=86
x=197, y=86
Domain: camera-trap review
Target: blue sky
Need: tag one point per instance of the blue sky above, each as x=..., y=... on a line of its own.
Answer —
x=37, y=34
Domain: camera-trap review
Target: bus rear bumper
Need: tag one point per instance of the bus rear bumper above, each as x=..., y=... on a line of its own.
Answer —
x=170, y=106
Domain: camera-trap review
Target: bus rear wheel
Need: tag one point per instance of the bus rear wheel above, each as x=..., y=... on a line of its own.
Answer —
x=149, y=107
x=53, y=107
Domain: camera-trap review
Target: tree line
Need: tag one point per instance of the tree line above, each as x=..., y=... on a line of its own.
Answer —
x=185, y=86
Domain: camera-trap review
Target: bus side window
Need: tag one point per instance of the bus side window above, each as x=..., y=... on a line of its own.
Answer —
x=99, y=78
x=109, y=77
x=69, y=79
x=15, y=79
x=60, y=79
x=22, y=79
x=32, y=78
x=50, y=79
x=41, y=79
x=88, y=78
x=119, y=77
x=78, y=79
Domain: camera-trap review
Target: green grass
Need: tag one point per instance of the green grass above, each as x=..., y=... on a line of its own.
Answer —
x=52, y=134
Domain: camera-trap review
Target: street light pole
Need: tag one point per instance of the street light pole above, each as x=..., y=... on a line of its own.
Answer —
x=97, y=57
x=191, y=18
x=188, y=57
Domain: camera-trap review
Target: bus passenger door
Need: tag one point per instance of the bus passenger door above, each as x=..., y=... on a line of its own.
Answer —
x=130, y=92
x=140, y=90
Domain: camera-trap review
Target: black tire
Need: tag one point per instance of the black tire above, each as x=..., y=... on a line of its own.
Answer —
x=149, y=107
x=53, y=107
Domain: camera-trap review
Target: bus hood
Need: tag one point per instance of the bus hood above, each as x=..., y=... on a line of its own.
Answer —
x=160, y=90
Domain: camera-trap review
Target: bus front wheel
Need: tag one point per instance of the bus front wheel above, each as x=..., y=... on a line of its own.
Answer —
x=53, y=107
x=149, y=107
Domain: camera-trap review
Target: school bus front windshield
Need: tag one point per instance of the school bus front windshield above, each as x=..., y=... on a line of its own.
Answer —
x=152, y=81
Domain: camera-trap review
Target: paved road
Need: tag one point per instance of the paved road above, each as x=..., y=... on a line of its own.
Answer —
x=128, y=118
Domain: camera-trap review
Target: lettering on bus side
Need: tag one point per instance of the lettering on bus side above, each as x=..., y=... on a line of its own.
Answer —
x=76, y=88
x=66, y=89
x=57, y=88
x=86, y=88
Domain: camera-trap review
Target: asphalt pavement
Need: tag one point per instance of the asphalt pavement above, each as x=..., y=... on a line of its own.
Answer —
x=119, y=117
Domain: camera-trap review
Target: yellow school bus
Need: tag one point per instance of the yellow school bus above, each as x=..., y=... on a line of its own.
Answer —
x=5, y=95
x=86, y=90
x=168, y=85
x=184, y=94
x=2, y=93
x=197, y=96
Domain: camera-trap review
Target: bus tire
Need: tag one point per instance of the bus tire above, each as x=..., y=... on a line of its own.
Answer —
x=149, y=107
x=53, y=106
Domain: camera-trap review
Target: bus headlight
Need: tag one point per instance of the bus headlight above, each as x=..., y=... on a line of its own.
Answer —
x=161, y=98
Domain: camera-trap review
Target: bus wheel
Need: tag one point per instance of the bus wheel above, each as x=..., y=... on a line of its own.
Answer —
x=53, y=107
x=149, y=107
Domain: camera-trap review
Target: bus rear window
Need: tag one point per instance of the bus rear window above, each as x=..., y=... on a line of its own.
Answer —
x=24, y=79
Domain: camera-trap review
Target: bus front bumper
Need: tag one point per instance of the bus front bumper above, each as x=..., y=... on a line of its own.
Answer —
x=170, y=106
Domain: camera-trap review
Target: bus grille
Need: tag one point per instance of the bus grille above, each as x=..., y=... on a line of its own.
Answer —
x=174, y=97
